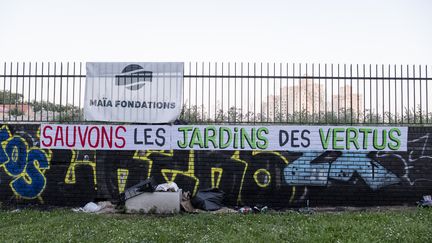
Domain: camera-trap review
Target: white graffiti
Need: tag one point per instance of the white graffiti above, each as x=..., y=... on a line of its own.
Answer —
x=413, y=156
x=316, y=169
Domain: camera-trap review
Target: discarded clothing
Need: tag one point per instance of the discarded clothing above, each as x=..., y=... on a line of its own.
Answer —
x=167, y=187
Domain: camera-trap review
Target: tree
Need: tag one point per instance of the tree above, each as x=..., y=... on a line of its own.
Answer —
x=7, y=97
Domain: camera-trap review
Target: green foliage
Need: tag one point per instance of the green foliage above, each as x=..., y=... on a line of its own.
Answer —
x=411, y=225
x=196, y=115
x=62, y=113
x=15, y=112
x=7, y=97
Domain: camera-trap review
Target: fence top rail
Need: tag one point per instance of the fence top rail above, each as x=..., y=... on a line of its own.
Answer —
x=233, y=77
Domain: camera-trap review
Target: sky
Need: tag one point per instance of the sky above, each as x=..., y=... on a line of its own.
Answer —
x=332, y=31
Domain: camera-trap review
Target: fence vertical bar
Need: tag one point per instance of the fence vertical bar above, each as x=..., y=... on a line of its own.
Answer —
x=196, y=92
x=313, y=93
x=395, y=74
x=67, y=91
x=189, y=93
x=332, y=93
x=370, y=93
x=287, y=90
x=427, y=95
x=338, y=95
x=222, y=92
x=35, y=93
x=402, y=103
x=300, y=91
x=409, y=110
x=22, y=91
x=215, y=119
x=248, y=96
x=358, y=94
x=235, y=92
x=319, y=92
x=414, y=98
x=16, y=92
x=293, y=92
x=274, y=92
x=351, y=95
x=307, y=84
x=261, y=92
x=80, y=88
x=383, y=91
x=376, y=93
x=4, y=89
x=421, y=98
x=280, y=93
x=254, y=93
x=55, y=90
x=364, y=93
x=228, y=88
x=42, y=80
x=61, y=90
x=389, y=90
x=345, y=93
x=73, y=93
x=241, y=92
x=326, y=92
x=209, y=99
x=29, y=90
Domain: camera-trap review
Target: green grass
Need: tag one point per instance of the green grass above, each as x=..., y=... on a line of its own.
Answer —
x=60, y=226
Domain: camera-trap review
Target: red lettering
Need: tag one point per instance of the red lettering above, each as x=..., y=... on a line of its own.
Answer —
x=67, y=137
x=120, y=137
x=59, y=136
x=81, y=137
x=46, y=136
x=95, y=145
x=107, y=137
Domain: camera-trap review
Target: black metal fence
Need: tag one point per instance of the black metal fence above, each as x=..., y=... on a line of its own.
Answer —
x=240, y=93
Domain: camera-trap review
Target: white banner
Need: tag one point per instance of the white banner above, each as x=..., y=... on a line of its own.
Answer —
x=105, y=137
x=133, y=92
x=211, y=137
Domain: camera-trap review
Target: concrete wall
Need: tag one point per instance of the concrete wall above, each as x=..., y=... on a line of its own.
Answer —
x=30, y=175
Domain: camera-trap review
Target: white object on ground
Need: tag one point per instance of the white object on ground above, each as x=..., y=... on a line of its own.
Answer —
x=90, y=207
x=167, y=187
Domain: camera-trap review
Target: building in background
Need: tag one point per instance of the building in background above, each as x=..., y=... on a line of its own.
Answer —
x=309, y=97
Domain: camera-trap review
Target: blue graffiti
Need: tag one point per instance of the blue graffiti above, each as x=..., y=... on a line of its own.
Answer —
x=316, y=169
x=23, y=164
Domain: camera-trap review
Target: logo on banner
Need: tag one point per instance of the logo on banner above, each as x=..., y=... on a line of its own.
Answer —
x=133, y=77
x=125, y=92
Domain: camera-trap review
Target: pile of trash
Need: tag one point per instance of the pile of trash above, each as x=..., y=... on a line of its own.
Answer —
x=144, y=198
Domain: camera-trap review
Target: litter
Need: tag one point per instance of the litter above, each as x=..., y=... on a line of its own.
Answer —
x=186, y=204
x=426, y=202
x=100, y=207
x=245, y=210
x=167, y=187
x=90, y=207
x=208, y=199
x=148, y=185
x=260, y=209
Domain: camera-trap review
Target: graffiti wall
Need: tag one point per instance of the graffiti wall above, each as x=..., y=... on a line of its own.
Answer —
x=33, y=174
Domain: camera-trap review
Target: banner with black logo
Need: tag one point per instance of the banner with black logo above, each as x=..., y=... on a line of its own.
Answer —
x=142, y=92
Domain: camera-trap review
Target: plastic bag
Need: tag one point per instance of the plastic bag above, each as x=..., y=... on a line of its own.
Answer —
x=208, y=199
x=167, y=187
